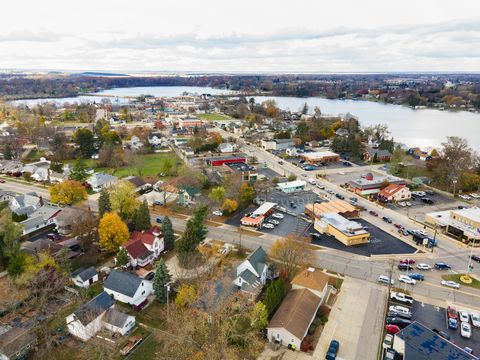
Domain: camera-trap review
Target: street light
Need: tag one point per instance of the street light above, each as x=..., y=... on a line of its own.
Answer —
x=454, y=181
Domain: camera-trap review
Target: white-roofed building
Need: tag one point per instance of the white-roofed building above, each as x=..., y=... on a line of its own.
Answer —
x=292, y=186
x=344, y=230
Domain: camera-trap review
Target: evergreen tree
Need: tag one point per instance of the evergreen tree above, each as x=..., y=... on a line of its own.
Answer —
x=161, y=278
x=63, y=261
x=194, y=234
x=79, y=171
x=8, y=152
x=122, y=257
x=274, y=295
x=168, y=236
x=142, y=217
x=104, y=205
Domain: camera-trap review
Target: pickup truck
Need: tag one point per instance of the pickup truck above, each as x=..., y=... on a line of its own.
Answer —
x=401, y=297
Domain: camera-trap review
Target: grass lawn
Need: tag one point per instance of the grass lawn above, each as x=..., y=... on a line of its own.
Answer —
x=456, y=277
x=153, y=315
x=412, y=171
x=148, y=348
x=214, y=117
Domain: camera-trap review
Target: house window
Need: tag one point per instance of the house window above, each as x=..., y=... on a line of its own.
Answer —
x=143, y=292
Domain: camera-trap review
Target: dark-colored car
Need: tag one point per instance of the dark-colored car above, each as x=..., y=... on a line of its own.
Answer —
x=159, y=219
x=374, y=213
x=430, y=192
x=280, y=162
x=442, y=266
x=54, y=236
x=332, y=350
x=475, y=258
x=404, y=267
x=293, y=205
x=395, y=314
x=403, y=232
x=150, y=275
x=387, y=219
x=339, y=196
x=416, y=276
x=442, y=334
x=400, y=322
x=427, y=201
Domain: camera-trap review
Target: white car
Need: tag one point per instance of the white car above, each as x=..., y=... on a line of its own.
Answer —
x=465, y=197
x=388, y=342
x=268, y=226
x=341, y=173
x=399, y=309
x=423, y=266
x=402, y=204
x=274, y=222
x=475, y=319
x=385, y=280
x=277, y=215
x=475, y=196
x=406, y=279
x=451, y=284
x=217, y=213
x=408, y=203
x=463, y=315
x=465, y=330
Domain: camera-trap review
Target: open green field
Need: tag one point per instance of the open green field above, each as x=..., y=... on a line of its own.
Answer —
x=214, y=117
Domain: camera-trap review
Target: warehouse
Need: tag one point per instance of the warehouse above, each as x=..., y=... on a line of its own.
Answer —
x=346, y=231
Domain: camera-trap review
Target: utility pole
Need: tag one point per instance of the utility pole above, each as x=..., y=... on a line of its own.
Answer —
x=167, y=285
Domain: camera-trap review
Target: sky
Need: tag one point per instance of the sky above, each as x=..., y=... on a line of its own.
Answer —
x=296, y=36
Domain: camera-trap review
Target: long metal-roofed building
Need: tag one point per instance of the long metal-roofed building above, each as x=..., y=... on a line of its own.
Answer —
x=257, y=217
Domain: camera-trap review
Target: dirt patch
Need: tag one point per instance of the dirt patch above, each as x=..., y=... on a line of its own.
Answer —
x=212, y=223
x=9, y=293
x=249, y=232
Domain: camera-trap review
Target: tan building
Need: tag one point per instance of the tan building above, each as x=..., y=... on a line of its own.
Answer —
x=344, y=230
x=461, y=224
x=320, y=157
x=333, y=206
x=313, y=280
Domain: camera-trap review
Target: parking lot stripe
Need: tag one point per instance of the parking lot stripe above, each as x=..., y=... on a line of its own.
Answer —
x=458, y=291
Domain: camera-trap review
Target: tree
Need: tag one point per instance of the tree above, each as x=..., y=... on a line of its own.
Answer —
x=305, y=109
x=104, y=204
x=79, y=171
x=8, y=152
x=292, y=177
x=186, y=295
x=67, y=192
x=122, y=257
x=85, y=230
x=292, y=254
x=217, y=193
x=168, y=235
x=247, y=193
x=10, y=233
x=124, y=199
x=112, y=231
x=56, y=166
x=195, y=233
x=142, y=217
x=160, y=280
x=274, y=295
x=259, y=316
x=16, y=264
x=85, y=141
x=229, y=206
x=63, y=261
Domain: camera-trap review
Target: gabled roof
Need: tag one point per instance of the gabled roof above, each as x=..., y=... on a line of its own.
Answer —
x=85, y=273
x=115, y=317
x=311, y=279
x=14, y=340
x=137, y=249
x=123, y=283
x=391, y=190
x=296, y=312
x=258, y=259
x=94, y=308
x=135, y=180
x=248, y=276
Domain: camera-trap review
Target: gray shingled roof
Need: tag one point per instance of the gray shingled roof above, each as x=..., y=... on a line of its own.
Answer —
x=91, y=310
x=115, y=317
x=258, y=259
x=85, y=273
x=248, y=276
x=122, y=282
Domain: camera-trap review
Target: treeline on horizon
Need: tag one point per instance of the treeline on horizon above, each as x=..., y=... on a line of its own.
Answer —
x=413, y=90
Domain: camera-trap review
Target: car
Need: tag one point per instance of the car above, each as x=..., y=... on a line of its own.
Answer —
x=304, y=175
x=398, y=226
x=277, y=215
x=315, y=236
x=452, y=312
x=332, y=350
x=388, y=341
x=407, y=261
x=159, y=219
x=150, y=276
x=427, y=200
x=465, y=330
x=404, y=267
x=475, y=317
x=475, y=258
x=385, y=280
x=463, y=315
x=419, y=193
x=475, y=196
x=339, y=196
x=268, y=226
x=280, y=162
x=321, y=187
x=403, y=232
x=399, y=309
x=451, y=284
x=312, y=181
x=407, y=279
x=423, y=266
x=331, y=192
x=400, y=322
x=430, y=192
x=293, y=205
x=442, y=266
x=392, y=329
x=452, y=324
x=402, y=204
x=389, y=354
x=2, y=181
x=397, y=314
x=468, y=350
x=408, y=203
x=217, y=213
x=274, y=222
x=401, y=297
x=465, y=197
x=53, y=236
x=441, y=333
x=416, y=276
x=371, y=212
x=387, y=219
x=341, y=173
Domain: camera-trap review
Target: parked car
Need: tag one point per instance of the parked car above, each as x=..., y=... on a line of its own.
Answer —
x=332, y=350
x=389, y=354
x=442, y=266
x=407, y=279
x=452, y=312
x=416, y=276
x=374, y=213
x=54, y=236
x=441, y=333
x=475, y=319
x=427, y=201
x=475, y=258
x=463, y=315
x=339, y=196
x=430, y=192
x=280, y=162
x=423, y=266
x=217, y=213
x=465, y=197
x=398, y=226
x=388, y=341
x=277, y=215
x=392, y=329
x=385, y=280
x=293, y=205
x=150, y=276
x=2, y=181
x=400, y=309
x=465, y=330
x=404, y=267
x=403, y=232
x=401, y=297
x=408, y=203
x=159, y=219
x=400, y=322
x=274, y=222
x=452, y=324
x=407, y=261
x=268, y=226
x=397, y=314
x=451, y=284
x=387, y=219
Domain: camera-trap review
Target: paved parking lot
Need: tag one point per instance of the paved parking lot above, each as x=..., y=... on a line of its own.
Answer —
x=300, y=199
x=381, y=242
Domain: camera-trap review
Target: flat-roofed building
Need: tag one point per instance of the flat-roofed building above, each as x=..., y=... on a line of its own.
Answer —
x=461, y=224
x=292, y=186
x=340, y=207
x=344, y=230
x=242, y=169
x=320, y=157
x=370, y=184
x=257, y=217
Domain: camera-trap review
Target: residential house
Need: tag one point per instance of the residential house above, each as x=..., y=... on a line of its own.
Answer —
x=377, y=155
x=341, y=132
x=10, y=166
x=41, y=218
x=227, y=148
x=6, y=195
x=118, y=321
x=138, y=182
x=98, y=181
x=277, y=144
x=66, y=220
x=313, y=280
x=135, y=143
x=292, y=151
x=290, y=323
x=252, y=272
x=128, y=288
x=144, y=247
x=84, y=277
x=395, y=192
x=25, y=204
x=40, y=245
x=16, y=342
x=155, y=139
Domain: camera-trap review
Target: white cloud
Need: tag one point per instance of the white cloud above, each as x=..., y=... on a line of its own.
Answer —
x=252, y=36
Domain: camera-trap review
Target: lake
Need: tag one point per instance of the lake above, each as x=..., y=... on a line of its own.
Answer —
x=423, y=127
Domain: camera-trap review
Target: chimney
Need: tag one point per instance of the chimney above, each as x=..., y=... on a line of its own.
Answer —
x=310, y=270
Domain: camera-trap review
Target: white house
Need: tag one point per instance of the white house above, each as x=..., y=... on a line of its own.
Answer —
x=135, y=143
x=25, y=203
x=252, y=272
x=292, y=151
x=144, y=247
x=98, y=181
x=128, y=288
x=277, y=144
x=226, y=147
x=395, y=192
x=41, y=218
x=155, y=140
x=118, y=321
x=84, y=277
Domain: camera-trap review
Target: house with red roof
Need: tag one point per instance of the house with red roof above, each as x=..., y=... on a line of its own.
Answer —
x=144, y=246
x=395, y=192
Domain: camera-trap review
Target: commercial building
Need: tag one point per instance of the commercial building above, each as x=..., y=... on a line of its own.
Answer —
x=395, y=192
x=256, y=218
x=370, y=184
x=277, y=144
x=220, y=160
x=461, y=224
x=320, y=157
x=340, y=207
x=292, y=186
x=346, y=231
x=242, y=169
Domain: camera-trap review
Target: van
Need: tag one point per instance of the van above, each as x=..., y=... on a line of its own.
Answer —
x=312, y=181
x=400, y=309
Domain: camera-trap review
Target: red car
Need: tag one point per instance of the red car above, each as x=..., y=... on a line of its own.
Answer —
x=452, y=313
x=407, y=261
x=2, y=181
x=398, y=226
x=392, y=329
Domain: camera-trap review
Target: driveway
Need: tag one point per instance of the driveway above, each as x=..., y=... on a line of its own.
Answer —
x=356, y=321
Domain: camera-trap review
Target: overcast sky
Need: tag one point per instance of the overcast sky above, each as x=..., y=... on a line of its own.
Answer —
x=241, y=36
